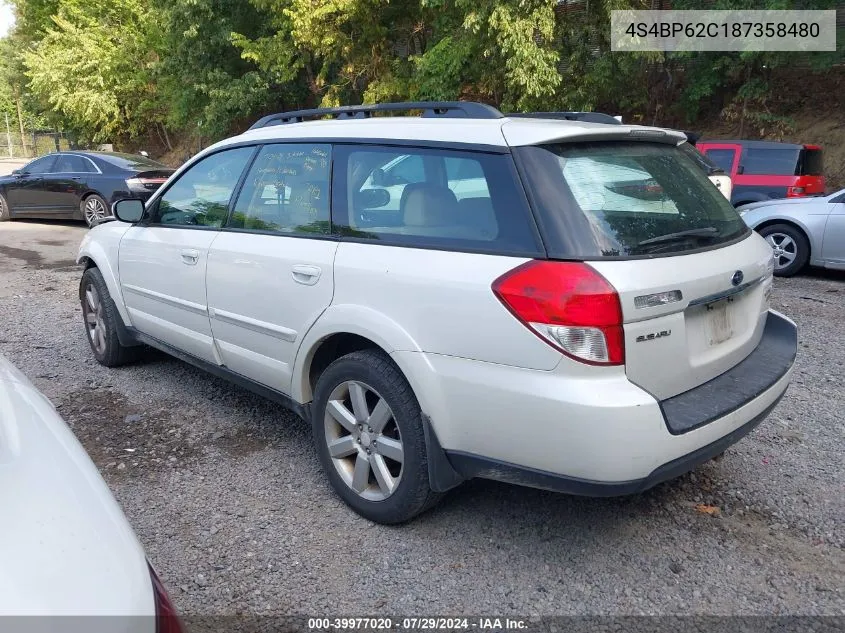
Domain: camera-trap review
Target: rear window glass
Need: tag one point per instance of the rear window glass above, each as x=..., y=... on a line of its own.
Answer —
x=776, y=162
x=811, y=163
x=431, y=198
x=614, y=199
x=131, y=161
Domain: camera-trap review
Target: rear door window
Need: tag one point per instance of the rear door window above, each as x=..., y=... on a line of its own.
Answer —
x=769, y=162
x=71, y=164
x=286, y=191
x=447, y=199
x=612, y=199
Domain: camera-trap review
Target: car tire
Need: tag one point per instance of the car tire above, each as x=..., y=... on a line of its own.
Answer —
x=5, y=214
x=790, y=247
x=94, y=207
x=101, y=319
x=378, y=443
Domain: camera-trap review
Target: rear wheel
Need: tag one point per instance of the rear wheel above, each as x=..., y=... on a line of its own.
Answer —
x=100, y=316
x=790, y=248
x=94, y=209
x=368, y=433
x=4, y=209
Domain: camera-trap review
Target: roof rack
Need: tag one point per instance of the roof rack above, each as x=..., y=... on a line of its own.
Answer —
x=587, y=117
x=442, y=109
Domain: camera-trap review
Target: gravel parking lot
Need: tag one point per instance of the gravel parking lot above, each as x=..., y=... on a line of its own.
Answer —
x=226, y=495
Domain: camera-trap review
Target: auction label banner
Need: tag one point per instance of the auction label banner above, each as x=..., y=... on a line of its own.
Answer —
x=804, y=31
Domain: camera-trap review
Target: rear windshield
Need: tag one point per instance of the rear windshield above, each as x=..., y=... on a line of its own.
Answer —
x=811, y=163
x=131, y=161
x=612, y=199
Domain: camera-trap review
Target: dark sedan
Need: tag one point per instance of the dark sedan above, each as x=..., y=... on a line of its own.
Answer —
x=78, y=185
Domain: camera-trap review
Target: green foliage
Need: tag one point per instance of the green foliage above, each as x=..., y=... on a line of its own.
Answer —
x=89, y=66
x=116, y=69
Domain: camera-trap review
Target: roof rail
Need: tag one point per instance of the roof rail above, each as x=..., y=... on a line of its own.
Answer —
x=442, y=109
x=587, y=117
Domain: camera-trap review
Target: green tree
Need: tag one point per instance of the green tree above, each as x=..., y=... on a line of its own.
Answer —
x=92, y=67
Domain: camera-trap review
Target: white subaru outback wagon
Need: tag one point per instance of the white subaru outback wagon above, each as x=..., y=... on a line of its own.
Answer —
x=559, y=304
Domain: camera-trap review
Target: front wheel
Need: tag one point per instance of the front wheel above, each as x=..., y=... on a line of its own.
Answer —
x=368, y=432
x=100, y=316
x=790, y=248
x=94, y=209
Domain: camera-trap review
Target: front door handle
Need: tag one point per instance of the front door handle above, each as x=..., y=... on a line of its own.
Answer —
x=190, y=257
x=305, y=274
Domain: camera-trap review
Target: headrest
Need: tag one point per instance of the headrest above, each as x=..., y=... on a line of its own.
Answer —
x=426, y=204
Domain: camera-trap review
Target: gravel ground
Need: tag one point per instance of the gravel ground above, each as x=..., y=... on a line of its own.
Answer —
x=225, y=492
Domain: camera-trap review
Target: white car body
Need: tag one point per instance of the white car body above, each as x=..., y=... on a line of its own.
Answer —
x=499, y=400
x=65, y=547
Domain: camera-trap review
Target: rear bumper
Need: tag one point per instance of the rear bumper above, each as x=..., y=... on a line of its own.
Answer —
x=469, y=466
x=591, y=432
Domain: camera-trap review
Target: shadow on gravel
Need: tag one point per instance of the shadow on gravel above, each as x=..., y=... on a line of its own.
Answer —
x=123, y=439
x=34, y=259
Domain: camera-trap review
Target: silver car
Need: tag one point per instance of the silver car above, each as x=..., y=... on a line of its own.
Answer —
x=801, y=231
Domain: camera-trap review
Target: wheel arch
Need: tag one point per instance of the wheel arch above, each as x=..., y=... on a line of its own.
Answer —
x=92, y=254
x=792, y=222
x=319, y=350
x=341, y=328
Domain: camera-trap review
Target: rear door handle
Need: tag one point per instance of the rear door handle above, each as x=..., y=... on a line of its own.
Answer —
x=306, y=274
x=190, y=256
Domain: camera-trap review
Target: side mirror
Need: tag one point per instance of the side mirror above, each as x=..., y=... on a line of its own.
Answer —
x=128, y=210
x=372, y=198
x=17, y=172
x=740, y=169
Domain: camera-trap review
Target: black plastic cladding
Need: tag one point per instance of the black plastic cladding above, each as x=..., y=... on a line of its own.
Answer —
x=440, y=109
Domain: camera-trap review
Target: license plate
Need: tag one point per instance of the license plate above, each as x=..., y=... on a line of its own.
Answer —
x=719, y=326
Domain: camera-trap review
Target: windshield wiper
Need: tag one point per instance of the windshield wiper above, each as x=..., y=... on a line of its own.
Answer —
x=707, y=231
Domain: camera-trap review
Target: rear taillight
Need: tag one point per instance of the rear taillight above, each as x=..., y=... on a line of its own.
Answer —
x=145, y=183
x=570, y=306
x=166, y=619
x=795, y=192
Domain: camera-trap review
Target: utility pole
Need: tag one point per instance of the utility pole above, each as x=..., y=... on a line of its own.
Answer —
x=20, y=120
x=9, y=136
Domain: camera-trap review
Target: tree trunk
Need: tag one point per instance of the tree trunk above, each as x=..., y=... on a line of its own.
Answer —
x=166, y=138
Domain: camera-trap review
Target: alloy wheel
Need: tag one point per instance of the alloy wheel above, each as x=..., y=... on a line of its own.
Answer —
x=94, y=210
x=92, y=307
x=784, y=249
x=363, y=439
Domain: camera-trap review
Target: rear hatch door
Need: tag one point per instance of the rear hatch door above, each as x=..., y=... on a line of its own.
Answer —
x=693, y=280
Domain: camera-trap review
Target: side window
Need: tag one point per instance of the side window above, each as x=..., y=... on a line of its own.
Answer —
x=763, y=162
x=40, y=165
x=724, y=158
x=286, y=191
x=200, y=197
x=466, y=200
x=71, y=164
